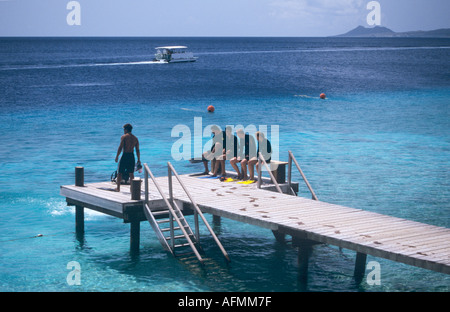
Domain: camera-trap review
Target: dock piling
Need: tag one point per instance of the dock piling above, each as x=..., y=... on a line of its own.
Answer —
x=79, y=176
x=304, y=253
x=216, y=220
x=135, y=188
x=360, y=267
x=279, y=237
x=79, y=210
x=135, y=235
x=79, y=221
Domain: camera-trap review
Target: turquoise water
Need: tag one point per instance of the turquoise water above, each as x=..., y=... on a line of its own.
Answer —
x=380, y=142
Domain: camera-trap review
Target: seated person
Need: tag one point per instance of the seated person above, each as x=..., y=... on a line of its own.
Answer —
x=246, y=151
x=264, y=147
x=216, y=153
x=230, y=144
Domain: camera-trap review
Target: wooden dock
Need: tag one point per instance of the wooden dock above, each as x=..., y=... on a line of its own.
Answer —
x=307, y=221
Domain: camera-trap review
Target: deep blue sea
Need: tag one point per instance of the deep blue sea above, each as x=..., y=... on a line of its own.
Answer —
x=379, y=142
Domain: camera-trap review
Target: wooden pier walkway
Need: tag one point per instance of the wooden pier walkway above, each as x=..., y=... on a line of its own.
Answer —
x=306, y=220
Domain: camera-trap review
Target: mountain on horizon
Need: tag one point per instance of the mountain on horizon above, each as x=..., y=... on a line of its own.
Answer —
x=384, y=32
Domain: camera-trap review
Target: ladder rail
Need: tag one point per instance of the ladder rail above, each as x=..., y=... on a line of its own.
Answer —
x=155, y=227
x=198, y=212
x=170, y=170
x=148, y=173
x=261, y=161
x=292, y=159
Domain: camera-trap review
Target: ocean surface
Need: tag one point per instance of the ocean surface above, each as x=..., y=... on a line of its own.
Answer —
x=379, y=142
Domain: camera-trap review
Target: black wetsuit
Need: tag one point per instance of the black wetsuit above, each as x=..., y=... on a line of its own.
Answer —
x=234, y=149
x=218, y=139
x=247, y=147
x=266, y=150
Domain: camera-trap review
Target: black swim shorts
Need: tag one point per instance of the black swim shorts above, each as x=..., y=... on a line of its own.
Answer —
x=126, y=164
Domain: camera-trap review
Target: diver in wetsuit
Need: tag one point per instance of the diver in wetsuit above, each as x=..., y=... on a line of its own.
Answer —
x=246, y=151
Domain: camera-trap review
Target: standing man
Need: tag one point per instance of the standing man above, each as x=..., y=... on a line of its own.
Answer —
x=128, y=142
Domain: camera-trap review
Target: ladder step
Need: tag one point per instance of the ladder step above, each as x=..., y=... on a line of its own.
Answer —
x=163, y=221
x=160, y=213
x=168, y=220
x=176, y=237
x=168, y=229
x=188, y=256
x=175, y=228
x=181, y=245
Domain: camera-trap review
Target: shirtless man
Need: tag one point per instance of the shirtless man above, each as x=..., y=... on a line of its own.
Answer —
x=128, y=142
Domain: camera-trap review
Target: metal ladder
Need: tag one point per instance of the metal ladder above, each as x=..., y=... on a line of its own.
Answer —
x=176, y=220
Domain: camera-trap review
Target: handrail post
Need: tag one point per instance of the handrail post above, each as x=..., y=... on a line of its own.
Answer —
x=169, y=175
x=146, y=186
x=290, y=172
x=197, y=227
x=172, y=231
x=262, y=160
x=303, y=176
x=259, y=173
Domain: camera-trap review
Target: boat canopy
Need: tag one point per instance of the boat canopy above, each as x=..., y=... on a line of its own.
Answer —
x=171, y=47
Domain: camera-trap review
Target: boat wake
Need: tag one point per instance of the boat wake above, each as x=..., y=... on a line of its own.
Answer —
x=34, y=67
x=318, y=50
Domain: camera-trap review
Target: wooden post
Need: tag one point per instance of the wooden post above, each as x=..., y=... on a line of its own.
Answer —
x=79, y=176
x=79, y=221
x=135, y=233
x=280, y=237
x=304, y=251
x=290, y=173
x=259, y=183
x=278, y=169
x=79, y=210
x=216, y=220
x=135, y=188
x=360, y=267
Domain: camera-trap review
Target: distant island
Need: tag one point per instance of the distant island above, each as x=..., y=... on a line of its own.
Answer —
x=383, y=32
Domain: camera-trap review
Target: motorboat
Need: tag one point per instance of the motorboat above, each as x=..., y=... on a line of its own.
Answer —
x=174, y=54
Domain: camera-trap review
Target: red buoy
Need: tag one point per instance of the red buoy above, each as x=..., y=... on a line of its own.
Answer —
x=211, y=109
x=323, y=96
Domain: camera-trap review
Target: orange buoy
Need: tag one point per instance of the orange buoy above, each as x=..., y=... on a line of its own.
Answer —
x=323, y=96
x=211, y=109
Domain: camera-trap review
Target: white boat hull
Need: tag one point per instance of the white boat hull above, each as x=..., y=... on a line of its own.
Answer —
x=174, y=54
x=182, y=60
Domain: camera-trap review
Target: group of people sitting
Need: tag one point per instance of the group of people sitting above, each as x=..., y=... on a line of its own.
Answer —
x=236, y=149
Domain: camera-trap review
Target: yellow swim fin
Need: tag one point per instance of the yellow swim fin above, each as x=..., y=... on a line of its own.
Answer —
x=247, y=182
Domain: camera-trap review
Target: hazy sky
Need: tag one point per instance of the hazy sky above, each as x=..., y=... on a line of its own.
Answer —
x=215, y=17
